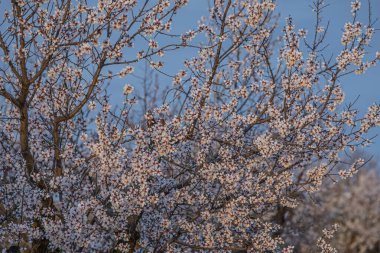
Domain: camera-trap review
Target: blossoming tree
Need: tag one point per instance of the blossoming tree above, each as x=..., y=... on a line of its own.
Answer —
x=248, y=123
x=352, y=204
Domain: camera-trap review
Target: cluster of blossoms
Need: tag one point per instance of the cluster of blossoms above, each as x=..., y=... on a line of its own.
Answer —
x=237, y=138
x=355, y=6
x=322, y=241
x=126, y=71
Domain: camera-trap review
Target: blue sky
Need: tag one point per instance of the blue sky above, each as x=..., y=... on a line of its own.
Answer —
x=366, y=86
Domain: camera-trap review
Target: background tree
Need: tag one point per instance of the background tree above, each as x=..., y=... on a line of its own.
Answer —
x=251, y=122
x=352, y=204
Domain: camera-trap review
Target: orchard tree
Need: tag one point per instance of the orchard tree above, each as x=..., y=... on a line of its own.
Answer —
x=353, y=204
x=249, y=123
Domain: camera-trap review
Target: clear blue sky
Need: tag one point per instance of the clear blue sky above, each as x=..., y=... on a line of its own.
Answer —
x=367, y=85
x=338, y=13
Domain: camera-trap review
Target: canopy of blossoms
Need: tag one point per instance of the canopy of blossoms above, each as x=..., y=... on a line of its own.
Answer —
x=249, y=122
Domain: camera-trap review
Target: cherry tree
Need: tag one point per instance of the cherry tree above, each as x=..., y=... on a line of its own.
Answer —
x=351, y=204
x=249, y=123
